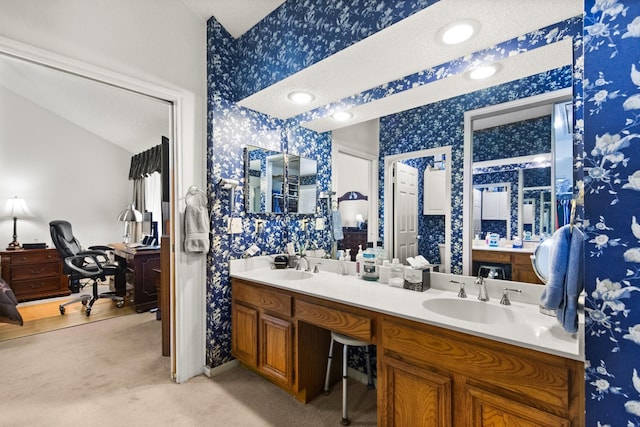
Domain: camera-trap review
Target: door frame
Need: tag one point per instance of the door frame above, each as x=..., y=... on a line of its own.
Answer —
x=388, y=196
x=373, y=215
x=187, y=308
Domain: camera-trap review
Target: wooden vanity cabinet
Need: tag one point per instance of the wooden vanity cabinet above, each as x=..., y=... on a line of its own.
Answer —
x=437, y=377
x=262, y=331
x=520, y=262
x=427, y=375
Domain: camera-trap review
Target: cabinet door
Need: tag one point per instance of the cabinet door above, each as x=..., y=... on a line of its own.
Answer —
x=276, y=338
x=495, y=205
x=244, y=333
x=488, y=409
x=416, y=397
x=435, y=197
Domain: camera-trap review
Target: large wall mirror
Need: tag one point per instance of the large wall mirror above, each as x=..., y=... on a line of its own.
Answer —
x=518, y=169
x=276, y=182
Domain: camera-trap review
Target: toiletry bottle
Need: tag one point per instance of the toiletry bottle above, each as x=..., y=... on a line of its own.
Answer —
x=384, y=272
x=380, y=253
x=369, y=271
x=342, y=266
x=397, y=274
x=359, y=257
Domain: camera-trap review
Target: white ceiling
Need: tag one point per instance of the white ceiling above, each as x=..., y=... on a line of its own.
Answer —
x=130, y=120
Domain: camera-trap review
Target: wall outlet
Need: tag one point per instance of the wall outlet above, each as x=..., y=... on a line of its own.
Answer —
x=319, y=223
x=235, y=226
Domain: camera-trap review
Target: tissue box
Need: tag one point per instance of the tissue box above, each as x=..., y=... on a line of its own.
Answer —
x=418, y=279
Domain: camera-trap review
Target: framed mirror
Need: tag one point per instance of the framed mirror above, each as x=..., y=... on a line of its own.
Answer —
x=276, y=182
x=264, y=180
x=517, y=143
x=301, y=187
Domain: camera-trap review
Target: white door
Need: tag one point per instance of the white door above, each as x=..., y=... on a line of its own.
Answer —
x=405, y=212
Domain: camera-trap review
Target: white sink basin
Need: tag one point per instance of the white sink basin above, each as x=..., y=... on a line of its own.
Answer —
x=288, y=274
x=470, y=310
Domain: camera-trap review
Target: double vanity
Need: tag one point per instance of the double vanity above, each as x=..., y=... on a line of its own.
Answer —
x=441, y=360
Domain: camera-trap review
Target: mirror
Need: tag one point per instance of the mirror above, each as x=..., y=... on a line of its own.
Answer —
x=279, y=183
x=525, y=145
x=301, y=188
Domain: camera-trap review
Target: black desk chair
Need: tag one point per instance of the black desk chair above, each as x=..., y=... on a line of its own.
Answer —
x=92, y=264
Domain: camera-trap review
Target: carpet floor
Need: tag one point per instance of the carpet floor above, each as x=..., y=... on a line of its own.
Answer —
x=111, y=373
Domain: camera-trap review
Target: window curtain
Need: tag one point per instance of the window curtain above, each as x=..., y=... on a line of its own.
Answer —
x=145, y=165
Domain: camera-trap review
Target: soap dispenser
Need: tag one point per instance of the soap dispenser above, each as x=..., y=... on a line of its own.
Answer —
x=359, y=258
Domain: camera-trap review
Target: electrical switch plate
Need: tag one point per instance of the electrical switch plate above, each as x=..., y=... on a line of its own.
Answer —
x=235, y=226
x=319, y=223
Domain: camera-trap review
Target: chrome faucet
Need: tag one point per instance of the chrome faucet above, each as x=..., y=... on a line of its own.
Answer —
x=306, y=261
x=461, y=293
x=482, y=293
x=505, y=298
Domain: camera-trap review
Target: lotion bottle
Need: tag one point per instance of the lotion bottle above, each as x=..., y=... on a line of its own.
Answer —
x=359, y=259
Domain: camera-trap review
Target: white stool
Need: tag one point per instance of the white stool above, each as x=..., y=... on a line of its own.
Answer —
x=346, y=343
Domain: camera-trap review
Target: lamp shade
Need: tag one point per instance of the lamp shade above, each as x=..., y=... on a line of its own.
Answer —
x=131, y=214
x=16, y=207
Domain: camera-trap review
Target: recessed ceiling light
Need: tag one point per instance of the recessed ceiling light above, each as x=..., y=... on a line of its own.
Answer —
x=539, y=159
x=341, y=116
x=301, y=97
x=458, y=31
x=484, y=72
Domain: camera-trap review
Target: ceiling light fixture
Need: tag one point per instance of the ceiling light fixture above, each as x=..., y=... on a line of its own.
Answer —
x=484, y=72
x=341, y=116
x=458, y=31
x=301, y=97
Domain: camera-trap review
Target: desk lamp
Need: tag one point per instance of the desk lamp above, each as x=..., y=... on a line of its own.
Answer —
x=15, y=208
x=128, y=215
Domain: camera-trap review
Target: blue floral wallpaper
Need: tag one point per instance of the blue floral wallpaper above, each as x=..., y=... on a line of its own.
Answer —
x=302, y=32
x=523, y=138
x=612, y=210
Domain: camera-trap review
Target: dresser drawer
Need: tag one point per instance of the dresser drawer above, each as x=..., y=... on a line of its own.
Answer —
x=27, y=288
x=34, y=271
x=274, y=302
x=344, y=322
x=36, y=256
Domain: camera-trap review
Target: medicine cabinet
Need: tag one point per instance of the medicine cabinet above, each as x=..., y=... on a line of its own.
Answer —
x=277, y=182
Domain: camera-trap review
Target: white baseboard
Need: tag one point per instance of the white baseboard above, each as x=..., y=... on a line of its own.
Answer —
x=361, y=377
x=212, y=372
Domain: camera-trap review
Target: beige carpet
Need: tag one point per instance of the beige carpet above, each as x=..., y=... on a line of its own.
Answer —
x=111, y=373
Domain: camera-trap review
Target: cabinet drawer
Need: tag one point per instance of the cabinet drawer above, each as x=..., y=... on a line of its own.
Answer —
x=491, y=256
x=29, y=257
x=27, y=288
x=34, y=271
x=523, y=372
x=274, y=302
x=344, y=322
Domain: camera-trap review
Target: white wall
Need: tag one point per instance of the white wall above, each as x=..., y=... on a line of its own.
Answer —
x=362, y=137
x=157, y=41
x=62, y=171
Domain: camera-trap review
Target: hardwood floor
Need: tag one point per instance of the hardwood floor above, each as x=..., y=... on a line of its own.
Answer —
x=45, y=316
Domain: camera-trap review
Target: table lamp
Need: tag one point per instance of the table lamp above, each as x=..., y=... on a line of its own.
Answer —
x=15, y=208
x=128, y=215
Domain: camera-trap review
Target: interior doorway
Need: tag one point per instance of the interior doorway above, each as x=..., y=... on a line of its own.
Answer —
x=45, y=63
x=427, y=224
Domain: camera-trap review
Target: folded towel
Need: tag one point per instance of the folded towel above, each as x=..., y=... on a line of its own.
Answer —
x=566, y=280
x=337, y=226
x=196, y=229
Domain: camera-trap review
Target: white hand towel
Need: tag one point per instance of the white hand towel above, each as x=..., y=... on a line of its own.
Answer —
x=196, y=229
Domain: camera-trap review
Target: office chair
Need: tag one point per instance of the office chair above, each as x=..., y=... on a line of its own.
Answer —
x=92, y=264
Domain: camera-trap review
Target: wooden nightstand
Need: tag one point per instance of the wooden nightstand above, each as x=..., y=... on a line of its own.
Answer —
x=34, y=273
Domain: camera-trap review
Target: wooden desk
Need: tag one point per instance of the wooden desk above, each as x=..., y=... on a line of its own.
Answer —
x=140, y=266
x=34, y=273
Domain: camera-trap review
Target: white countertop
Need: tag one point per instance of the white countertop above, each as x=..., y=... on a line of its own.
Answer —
x=534, y=330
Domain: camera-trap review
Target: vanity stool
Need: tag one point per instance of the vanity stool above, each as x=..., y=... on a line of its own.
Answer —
x=346, y=343
x=493, y=272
